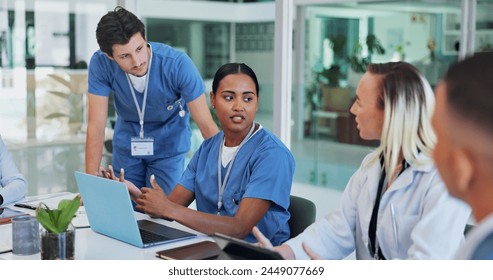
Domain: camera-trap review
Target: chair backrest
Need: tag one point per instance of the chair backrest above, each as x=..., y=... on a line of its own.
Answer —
x=303, y=212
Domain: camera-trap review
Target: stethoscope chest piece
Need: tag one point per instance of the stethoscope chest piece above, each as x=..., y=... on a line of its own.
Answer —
x=181, y=113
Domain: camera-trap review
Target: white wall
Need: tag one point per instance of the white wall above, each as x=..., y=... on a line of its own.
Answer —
x=207, y=10
x=88, y=15
x=389, y=28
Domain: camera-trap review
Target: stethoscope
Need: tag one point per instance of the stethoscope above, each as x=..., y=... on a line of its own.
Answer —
x=181, y=113
x=141, y=112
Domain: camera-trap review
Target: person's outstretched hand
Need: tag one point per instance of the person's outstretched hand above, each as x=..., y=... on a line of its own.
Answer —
x=135, y=192
x=262, y=240
x=284, y=250
x=110, y=174
x=310, y=252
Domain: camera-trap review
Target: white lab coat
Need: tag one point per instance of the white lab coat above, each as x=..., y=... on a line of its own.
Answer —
x=425, y=223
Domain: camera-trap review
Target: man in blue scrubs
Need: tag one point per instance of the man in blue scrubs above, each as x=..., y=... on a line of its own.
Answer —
x=463, y=120
x=156, y=88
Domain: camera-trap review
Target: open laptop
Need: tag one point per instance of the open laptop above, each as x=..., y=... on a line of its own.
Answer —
x=110, y=212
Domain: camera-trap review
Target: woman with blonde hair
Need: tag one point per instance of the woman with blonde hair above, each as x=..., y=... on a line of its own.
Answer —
x=395, y=206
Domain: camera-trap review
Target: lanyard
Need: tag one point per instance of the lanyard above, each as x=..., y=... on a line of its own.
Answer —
x=222, y=184
x=374, y=247
x=139, y=111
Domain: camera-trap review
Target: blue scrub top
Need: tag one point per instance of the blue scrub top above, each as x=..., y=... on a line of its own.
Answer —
x=263, y=169
x=172, y=76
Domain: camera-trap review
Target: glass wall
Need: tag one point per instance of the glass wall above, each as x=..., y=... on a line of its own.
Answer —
x=44, y=43
x=340, y=39
x=45, y=46
x=212, y=44
x=44, y=50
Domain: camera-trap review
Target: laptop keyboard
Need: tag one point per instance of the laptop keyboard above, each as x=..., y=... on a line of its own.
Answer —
x=151, y=237
x=152, y=233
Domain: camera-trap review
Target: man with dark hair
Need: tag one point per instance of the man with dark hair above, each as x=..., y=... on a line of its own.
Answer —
x=155, y=89
x=463, y=121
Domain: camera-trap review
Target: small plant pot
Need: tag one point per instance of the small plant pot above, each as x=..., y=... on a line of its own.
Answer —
x=58, y=246
x=336, y=98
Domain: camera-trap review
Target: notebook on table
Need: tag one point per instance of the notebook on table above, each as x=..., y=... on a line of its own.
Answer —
x=204, y=250
x=110, y=212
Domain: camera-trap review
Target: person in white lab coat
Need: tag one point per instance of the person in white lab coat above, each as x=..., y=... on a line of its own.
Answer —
x=395, y=206
x=13, y=185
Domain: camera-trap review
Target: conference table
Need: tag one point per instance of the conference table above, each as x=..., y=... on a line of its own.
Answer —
x=90, y=245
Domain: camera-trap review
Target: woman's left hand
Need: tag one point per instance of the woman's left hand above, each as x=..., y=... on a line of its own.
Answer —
x=310, y=252
x=263, y=241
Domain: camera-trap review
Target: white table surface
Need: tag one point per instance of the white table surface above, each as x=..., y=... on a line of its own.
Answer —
x=90, y=245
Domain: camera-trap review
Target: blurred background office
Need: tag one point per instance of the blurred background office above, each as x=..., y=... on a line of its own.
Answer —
x=308, y=56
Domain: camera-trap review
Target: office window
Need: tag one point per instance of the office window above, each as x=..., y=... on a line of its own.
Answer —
x=340, y=39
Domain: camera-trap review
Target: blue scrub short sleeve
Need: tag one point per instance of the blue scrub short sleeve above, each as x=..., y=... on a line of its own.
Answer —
x=189, y=80
x=187, y=180
x=98, y=77
x=272, y=177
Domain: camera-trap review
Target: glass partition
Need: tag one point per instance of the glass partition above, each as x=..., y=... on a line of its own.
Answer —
x=340, y=40
x=484, y=26
x=212, y=44
x=45, y=46
x=44, y=50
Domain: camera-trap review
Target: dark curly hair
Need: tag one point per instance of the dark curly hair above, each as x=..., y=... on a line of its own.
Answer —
x=117, y=27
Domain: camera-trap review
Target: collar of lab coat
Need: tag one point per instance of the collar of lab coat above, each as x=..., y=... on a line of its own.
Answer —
x=423, y=164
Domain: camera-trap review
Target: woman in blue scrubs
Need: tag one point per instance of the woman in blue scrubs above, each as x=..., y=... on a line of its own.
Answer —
x=239, y=178
x=156, y=88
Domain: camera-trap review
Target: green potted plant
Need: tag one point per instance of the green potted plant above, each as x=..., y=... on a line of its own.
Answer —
x=58, y=236
x=71, y=89
x=333, y=96
x=357, y=62
x=331, y=76
x=312, y=103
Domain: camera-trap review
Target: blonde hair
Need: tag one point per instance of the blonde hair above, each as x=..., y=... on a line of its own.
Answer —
x=408, y=102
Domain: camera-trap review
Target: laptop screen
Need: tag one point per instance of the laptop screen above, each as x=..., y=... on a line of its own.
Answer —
x=110, y=211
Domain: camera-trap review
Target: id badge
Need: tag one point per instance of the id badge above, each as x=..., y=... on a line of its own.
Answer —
x=142, y=146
